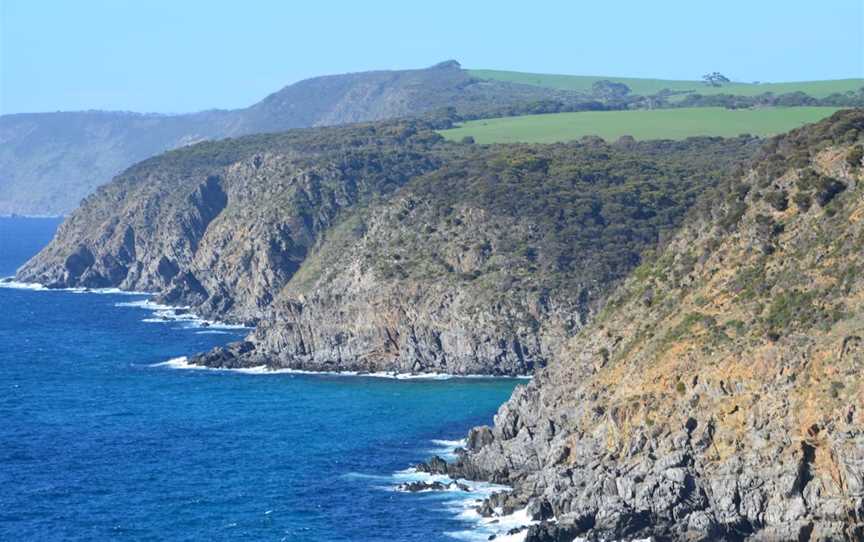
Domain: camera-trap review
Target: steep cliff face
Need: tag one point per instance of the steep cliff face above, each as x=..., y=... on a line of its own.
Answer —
x=382, y=247
x=403, y=288
x=222, y=226
x=50, y=161
x=718, y=396
x=482, y=266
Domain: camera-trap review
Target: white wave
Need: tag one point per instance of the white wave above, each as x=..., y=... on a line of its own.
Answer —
x=266, y=370
x=197, y=323
x=446, y=448
x=10, y=282
x=463, y=505
x=460, y=443
x=411, y=376
x=437, y=376
x=181, y=362
x=147, y=304
x=111, y=291
x=15, y=285
x=166, y=314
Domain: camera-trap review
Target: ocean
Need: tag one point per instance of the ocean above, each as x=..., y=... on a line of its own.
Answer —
x=101, y=439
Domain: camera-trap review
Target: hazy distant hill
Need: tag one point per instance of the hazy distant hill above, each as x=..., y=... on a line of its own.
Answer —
x=50, y=161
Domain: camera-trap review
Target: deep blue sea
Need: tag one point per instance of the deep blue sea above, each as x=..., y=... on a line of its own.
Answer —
x=98, y=442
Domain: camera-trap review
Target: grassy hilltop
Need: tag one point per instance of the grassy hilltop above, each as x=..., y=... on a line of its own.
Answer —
x=582, y=83
x=641, y=124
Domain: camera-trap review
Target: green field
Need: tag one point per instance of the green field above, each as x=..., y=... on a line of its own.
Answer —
x=641, y=124
x=817, y=89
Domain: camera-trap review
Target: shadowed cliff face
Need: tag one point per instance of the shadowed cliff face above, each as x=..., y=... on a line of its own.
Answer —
x=382, y=247
x=718, y=395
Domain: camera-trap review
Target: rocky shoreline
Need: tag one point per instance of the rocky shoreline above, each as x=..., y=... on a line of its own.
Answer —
x=719, y=395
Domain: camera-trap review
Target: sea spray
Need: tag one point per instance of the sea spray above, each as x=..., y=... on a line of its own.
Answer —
x=183, y=363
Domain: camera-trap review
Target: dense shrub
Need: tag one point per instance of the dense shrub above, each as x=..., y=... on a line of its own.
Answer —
x=803, y=201
x=827, y=188
x=778, y=199
x=856, y=154
x=577, y=210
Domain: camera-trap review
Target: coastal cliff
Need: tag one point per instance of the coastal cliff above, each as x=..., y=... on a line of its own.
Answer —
x=718, y=395
x=381, y=247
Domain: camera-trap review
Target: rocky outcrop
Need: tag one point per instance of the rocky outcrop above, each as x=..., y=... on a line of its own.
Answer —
x=718, y=395
x=382, y=247
x=418, y=487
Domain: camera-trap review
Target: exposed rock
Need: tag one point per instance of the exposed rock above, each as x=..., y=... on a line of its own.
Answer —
x=435, y=465
x=479, y=437
x=416, y=487
x=382, y=247
x=724, y=408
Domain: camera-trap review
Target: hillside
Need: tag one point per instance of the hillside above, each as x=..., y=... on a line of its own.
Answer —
x=382, y=246
x=645, y=86
x=718, y=395
x=677, y=123
x=50, y=161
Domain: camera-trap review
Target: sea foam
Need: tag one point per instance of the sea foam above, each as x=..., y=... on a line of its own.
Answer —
x=161, y=313
x=11, y=283
x=164, y=314
x=463, y=505
x=446, y=448
x=265, y=370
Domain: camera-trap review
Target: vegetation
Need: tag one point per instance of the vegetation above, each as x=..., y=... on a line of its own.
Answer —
x=855, y=156
x=557, y=218
x=502, y=220
x=646, y=87
x=715, y=79
x=768, y=99
x=610, y=125
x=529, y=217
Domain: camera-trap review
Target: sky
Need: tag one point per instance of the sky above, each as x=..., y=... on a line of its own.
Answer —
x=180, y=56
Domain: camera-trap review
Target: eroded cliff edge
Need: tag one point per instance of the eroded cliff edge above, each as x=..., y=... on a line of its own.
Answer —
x=719, y=395
x=381, y=246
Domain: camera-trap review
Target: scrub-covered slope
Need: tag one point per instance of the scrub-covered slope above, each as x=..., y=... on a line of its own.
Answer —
x=383, y=247
x=719, y=395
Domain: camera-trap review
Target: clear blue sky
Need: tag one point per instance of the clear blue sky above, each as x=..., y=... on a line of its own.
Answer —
x=187, y=55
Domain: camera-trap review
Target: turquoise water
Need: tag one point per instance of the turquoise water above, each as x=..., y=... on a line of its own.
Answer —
x=99, y=442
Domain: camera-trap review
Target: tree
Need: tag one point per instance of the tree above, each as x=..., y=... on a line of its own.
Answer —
x=609, y=90
x=715, y=79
